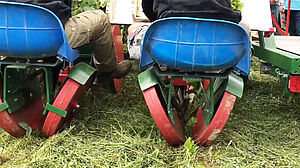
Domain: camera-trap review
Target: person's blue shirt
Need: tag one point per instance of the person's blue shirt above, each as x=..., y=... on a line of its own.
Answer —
x=295, y=4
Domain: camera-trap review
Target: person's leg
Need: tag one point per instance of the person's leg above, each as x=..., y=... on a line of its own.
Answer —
x=275, y=12
x=92, y=27
x=292, y=28
x=297, y=23
x=277, y=17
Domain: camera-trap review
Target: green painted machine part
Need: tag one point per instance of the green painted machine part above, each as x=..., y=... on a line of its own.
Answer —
x=170, y=92
x=81, y=73
x=266, y=50
x=208, y=97
x=55, y=110
x=26, y=127
x=147, y=79
x=23, y=83
x=235, y=85
x=285, y=60
x=279, y=63
x=3, y=106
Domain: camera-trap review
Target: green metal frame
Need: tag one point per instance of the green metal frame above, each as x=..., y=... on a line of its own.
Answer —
x=208, y=97
x=19, y=78
x=14, y=79
x=266, y=50
x=169, y=106
x=282, y=63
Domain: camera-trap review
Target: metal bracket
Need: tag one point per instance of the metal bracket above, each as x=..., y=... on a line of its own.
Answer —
x=147, y=79
x=26, y=127
x=170, y=113
x=3, y=106
x=55, y=110
x=81, y=73
x=235, y=85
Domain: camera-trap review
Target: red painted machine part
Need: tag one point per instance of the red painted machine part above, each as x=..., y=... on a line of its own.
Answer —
x=173, y=134
x=31, y=114
x=205, y=134
x=180, y=82
x=294, y=84
x=63, y=75
x=117, y=39
x=67, y=99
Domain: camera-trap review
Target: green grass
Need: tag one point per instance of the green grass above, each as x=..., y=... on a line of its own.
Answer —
x=117, y=131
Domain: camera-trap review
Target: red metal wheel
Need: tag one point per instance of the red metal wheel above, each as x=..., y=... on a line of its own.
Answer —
x=173, y=133
x=117, y=39
x=206, y=134
x=31, y=114
x=67, y=99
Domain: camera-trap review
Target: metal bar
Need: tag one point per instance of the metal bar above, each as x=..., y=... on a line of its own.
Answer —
x=58, y=61
x=170, y=113
x=212, y=98
x=186, y=75
x=49, y=84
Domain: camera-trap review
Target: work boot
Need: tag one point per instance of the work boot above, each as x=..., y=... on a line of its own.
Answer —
x=123, y=68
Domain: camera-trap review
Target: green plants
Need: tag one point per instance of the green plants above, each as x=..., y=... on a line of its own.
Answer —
x=84, y=5
x=237, y=4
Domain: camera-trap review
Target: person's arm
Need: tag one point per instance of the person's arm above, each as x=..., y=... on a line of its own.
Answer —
x=148, y=9
x=281, y=6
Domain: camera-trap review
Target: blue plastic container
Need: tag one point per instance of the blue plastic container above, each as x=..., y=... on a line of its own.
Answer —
x=195, y=44
x=30, y=31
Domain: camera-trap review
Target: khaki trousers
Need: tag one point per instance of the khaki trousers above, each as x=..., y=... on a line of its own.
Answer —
x=93, y=27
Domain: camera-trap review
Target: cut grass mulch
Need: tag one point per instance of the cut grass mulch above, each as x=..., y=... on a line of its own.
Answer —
x=118, y=131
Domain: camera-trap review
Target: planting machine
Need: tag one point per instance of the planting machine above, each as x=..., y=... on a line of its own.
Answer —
x=191, y=60
x=189, y=63
x=42, y=78
x=203, y=61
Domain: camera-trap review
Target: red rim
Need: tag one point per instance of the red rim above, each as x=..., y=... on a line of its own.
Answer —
x=31, y=114
x=206, y=134
x=117, y=38
x=67, y=99
x=173, y=134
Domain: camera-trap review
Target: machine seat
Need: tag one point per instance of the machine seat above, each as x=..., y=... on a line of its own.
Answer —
x=30, y=31
x=195, y=44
